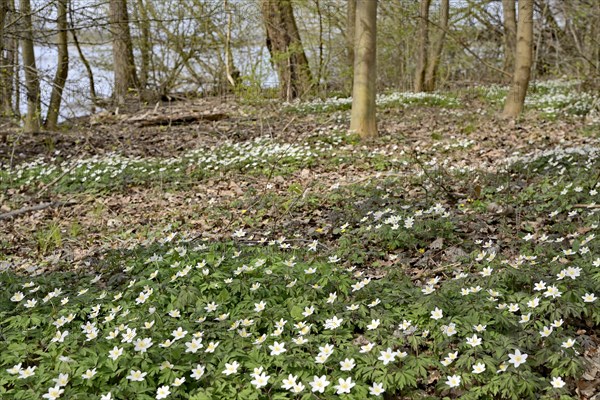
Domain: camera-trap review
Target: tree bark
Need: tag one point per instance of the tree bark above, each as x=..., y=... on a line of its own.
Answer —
x=231, y=72
x=436, y=53
x=32, y=82
x=8, y=52
x=363, y=116
x=285, y=47
x=423, y=45
x=125, y=78
x=143, y=23
x=84, y=61
x=510, y=34
x=518, y=89
x=62, y=68
x=350, y=33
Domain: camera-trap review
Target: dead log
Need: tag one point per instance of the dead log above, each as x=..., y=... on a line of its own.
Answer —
x=179, y=119
x=38, y=207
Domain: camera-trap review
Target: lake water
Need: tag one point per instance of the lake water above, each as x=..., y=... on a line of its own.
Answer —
x=253, y=63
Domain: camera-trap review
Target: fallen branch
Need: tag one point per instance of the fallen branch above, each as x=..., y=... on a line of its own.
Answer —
x=181, y=119
x=43, y=206
x=589, y=206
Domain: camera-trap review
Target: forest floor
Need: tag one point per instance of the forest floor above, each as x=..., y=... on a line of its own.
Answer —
x=448, y=188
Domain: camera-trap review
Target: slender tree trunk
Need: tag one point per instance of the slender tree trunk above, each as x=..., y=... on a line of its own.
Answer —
x=364, y=92
x=84, y=61
x=423, y=45
x=232, y=73
x=32, y=83
x=518, y=89
x=510, y=34
x=350, y=33
x=143, y=23
x=434, y=60
x=8, y=50
x=62, y=69
x=125, y=78
x=285, y=47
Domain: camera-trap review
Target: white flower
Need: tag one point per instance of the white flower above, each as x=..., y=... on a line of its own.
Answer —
x=53, y=393
x=344, y=385
x=589, y=298
x=557, y=382
x=374, y=324
x=367, y=347
x=260, y=306
x=62, y=380
x=194, y=345
x=260, y=380
x=211, y=347
x=478, y=368
x=231, y=368
x=136, y=376
x=332, y=297
x=308, y=311
x=568, y=343
x=533, y=303
x=525, y=318
x=474, y=341
x=179, y=333
x=289, y=382
x=387, y=356
x=319, y=383
x=162, y=392
x=17, y=297
x=198, y=371
x=107, y=396
x=142, y=345
x=115, y=353
x=277, y=348
x=179, y=381
x=60, y=336
x=546, y=331
x=453, y=381
x=376, y=389
x=27, y=372
x=437, y=314
x=333, y=323
x=553, y=292
x=348, y=364
x=557, y=323
x=89, y=374
x=517, y=358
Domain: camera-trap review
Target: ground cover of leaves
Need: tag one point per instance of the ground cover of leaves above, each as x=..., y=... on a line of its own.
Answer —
x=270, y=254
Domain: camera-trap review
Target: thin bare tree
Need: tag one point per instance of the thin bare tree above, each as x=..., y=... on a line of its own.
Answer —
x=62, y=66
x=285, y=47
x=524, y=55
x=363, y=116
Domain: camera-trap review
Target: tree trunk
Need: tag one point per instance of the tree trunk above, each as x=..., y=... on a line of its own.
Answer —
x=84, y=61
x=423, y=45
x=62, y=68
x=434, y=60
x=363, y=116
x=8, y=51
x=350, y=33
x=285, y=47
x=125, y=78
x=510, y=34
x=145, y=46
x=518, y=89
x=231, y=72
x=32, y=82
